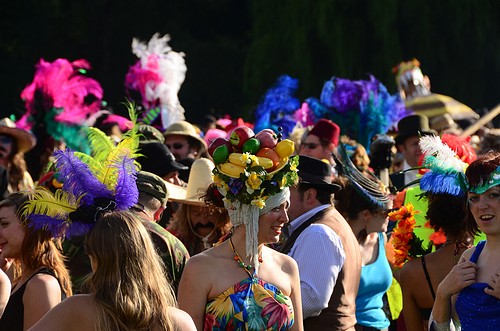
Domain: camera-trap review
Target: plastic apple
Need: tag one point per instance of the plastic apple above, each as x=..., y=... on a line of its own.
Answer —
x=219, y=142
x=268, y=138
x=240, y=135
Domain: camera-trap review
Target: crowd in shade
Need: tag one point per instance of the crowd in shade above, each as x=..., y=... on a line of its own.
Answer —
x=355, y=209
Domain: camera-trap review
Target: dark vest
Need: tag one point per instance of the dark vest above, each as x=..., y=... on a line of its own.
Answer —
x=341, y=311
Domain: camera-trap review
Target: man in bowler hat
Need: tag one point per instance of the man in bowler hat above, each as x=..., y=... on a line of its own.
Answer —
x=410, y=129
x=325, y=248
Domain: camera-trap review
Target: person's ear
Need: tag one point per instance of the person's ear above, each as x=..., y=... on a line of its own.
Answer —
x=310, y=195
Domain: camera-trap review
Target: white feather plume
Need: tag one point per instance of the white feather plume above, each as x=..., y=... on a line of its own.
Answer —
x=442, y=155
x=171, y=67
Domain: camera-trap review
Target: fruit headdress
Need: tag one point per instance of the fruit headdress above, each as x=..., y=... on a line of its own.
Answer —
x=253, y=173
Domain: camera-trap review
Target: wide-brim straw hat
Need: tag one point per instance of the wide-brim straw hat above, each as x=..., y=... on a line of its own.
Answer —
x=184, y=128
x=200, y=177
x=25, y=140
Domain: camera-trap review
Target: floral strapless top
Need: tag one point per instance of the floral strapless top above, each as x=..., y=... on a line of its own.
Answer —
x=252, y=305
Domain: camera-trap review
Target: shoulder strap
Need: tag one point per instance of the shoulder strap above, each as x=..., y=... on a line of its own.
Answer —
x=293, y=237
x=477, y=251
x=428, y=278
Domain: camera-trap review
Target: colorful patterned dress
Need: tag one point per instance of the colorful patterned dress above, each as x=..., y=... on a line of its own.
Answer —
x=252, y=305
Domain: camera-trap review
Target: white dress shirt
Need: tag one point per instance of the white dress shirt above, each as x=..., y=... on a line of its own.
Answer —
x=320, y=256
x=411, y=175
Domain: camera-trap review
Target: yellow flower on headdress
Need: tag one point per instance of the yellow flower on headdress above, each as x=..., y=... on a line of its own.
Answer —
x=246, y=158
x=253, y=181
x=259, y=203
x=219, y=182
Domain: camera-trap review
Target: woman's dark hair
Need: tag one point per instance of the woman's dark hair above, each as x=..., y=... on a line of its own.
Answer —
x=349, y=202
x=447, y=212
x=477, y=173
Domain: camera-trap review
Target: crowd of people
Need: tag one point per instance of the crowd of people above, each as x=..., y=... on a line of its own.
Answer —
x=154, y=222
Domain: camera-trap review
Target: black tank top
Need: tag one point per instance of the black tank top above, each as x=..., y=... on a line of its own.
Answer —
x=13, y=316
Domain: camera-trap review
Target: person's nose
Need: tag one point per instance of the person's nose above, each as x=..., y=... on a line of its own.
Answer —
x=284, y=216
x=483, y=202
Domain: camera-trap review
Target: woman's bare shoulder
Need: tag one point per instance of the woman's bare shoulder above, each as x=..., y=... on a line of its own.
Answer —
x=181, y=320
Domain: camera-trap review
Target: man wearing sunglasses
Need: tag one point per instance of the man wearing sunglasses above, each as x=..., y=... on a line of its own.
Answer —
x=321, y=141
x=184, y=142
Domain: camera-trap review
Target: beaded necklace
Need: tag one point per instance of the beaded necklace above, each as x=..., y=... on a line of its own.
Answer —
x=239, y=260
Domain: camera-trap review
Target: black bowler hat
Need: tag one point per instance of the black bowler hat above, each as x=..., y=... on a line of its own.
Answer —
x=158, y=159
x=316, y=173
x=413, y=125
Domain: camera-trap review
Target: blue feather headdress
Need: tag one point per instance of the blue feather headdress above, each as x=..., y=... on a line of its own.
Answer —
x=362, y=108
x=446, y=173
x=92, y=184
x=278, y=106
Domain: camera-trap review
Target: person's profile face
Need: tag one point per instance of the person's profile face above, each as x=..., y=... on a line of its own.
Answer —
x=312, y=147
x=411, y=150
x=271, y=224
x=12, y=233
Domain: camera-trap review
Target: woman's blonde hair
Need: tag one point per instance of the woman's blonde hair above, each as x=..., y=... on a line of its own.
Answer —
x=38, y=247
x=128, y=285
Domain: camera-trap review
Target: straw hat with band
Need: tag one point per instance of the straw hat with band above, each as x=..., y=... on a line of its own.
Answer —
x=200, y=179
x=184, y=128
x=25, y=140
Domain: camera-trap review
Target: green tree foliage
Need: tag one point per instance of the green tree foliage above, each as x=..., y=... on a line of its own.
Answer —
x=235, y=49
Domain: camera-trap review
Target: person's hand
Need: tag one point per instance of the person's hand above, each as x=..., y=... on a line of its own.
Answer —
x=493, y=288
x=459, y=277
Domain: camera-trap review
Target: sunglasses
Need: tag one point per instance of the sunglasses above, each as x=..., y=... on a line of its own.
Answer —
x=175, y=146
x=309, y=145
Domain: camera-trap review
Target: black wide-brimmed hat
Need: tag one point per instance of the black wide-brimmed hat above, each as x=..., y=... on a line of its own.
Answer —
x=316, y=173
x=158, y=159
x=413, y=125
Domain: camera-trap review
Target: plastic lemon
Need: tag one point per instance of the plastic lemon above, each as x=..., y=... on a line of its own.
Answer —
x=284, y=148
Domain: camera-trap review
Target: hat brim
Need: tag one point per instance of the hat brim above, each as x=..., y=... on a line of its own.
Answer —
x=203, y=145
x=25, y=140
x=175, y=192
x=400, y=138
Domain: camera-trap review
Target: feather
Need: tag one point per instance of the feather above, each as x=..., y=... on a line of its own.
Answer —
x=55, y=226
x=277, y=106
x=101, y=144
x=439, y=156
x=443, y=183
x=77, y=177
x=72, y=135
x=372, y=190
x=158, y=76
x=57, y=205
x=126, y=192
x=61, y=84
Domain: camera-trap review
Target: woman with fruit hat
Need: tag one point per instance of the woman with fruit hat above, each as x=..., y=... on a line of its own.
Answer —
x=241, y=284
